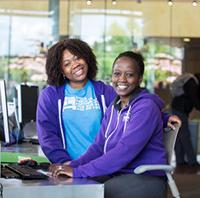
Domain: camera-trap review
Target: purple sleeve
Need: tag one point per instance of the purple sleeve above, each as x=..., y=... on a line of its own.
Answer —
x=133, y=141
x=48, y=128
x=165, y=117
x=93, y=152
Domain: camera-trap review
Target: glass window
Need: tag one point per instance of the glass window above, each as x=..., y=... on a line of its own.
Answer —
x=163, y=34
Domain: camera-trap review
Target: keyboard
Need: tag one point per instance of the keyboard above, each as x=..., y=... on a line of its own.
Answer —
x=26, y=172
x=8, y=174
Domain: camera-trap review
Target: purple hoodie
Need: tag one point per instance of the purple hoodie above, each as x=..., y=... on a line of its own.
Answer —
x=49, y=122
x=128, y=138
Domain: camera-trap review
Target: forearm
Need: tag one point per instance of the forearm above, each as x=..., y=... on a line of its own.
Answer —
x=57, y=155
x=92, y=153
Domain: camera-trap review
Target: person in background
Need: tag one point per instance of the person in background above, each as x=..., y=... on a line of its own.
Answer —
x=131, y=134
x=186, y=96
x=70, y=109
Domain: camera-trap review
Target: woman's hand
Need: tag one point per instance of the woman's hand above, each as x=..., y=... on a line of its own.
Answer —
x=61, y=169
x=173, y=119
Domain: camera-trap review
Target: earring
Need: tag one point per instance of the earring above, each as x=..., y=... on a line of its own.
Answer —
x=64, y=76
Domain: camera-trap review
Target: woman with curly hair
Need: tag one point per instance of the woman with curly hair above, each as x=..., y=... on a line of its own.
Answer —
x=71, y=108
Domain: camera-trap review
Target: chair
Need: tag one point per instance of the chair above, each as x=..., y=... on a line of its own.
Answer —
x=169, y=142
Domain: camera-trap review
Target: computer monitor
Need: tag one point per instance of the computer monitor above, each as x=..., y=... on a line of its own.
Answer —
x=4, y=123
x=27, y=103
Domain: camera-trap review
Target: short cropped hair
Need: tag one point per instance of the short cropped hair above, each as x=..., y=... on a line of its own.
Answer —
x=136, y=58
x=76, y=47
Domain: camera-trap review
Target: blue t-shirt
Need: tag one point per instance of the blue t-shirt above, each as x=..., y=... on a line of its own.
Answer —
x=81, y=117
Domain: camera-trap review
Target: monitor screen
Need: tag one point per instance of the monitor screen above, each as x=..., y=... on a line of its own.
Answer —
x=4, y=123
x=27, y=103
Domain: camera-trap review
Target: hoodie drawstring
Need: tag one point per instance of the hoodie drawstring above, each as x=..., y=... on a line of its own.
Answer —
x=126, y=118
x=60, y=122
x=103, y=104
x=106, y=134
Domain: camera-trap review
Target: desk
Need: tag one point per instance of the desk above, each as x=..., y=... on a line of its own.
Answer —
x=62, y=187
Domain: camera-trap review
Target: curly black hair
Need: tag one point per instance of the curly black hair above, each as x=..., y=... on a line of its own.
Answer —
x=76, y=47
x=136, y=58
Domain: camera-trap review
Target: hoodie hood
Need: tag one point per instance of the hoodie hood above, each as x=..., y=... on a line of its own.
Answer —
x=144, y=94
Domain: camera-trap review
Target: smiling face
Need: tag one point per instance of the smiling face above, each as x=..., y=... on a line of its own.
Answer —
x=75, y=69
x=125, y=77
